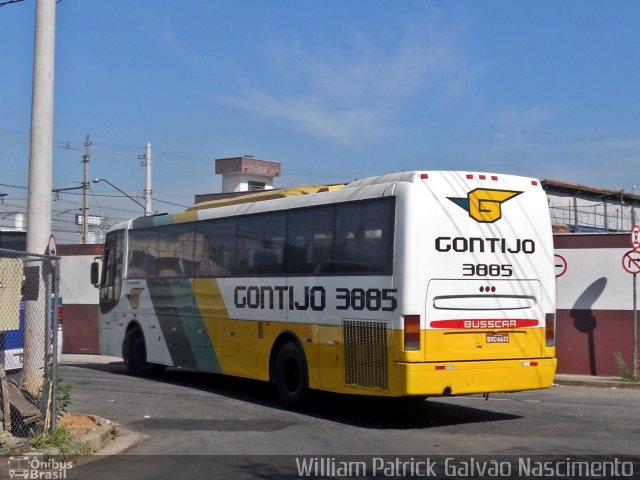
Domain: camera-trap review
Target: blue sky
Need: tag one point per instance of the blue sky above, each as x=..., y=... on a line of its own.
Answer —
x=333, y=89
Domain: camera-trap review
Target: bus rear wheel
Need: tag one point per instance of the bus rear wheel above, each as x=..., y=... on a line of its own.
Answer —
x=134, y=354
x=290, y=375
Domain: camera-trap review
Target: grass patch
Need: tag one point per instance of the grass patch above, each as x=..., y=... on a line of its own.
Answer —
x=60, y=439
x=624, y=371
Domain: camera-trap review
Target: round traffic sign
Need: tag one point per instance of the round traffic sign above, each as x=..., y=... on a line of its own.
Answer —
x=635, y=237
x=51, y=251
x=561, y=265
x=631, y=262
x=51, y=247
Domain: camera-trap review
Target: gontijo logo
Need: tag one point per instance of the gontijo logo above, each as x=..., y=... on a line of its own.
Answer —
x=484, y=204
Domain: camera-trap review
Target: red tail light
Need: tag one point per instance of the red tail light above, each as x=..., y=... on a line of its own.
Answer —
x=412, y=332
x=59, y=313
x=550, y=330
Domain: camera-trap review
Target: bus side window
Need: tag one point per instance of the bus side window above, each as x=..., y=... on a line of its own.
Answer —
x=260, y=244
x=218, y=255
x=364, y=236
x=309, y=240
x=176, y=245
x=143, y=252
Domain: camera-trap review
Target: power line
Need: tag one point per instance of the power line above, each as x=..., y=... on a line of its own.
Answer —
x=170, y=203
x=9, y=2
x=12, y=186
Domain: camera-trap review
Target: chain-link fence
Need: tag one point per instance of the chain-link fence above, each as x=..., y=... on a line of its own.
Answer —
x=29, y=345
x=593, y=218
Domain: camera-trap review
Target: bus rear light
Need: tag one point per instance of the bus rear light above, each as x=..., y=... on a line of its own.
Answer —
x=445, y=367
x=550, y=330
x=412, y=332
x=529, y=364
x=424, y=176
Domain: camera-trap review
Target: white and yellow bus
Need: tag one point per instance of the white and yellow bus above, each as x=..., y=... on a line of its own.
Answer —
x=410, y=284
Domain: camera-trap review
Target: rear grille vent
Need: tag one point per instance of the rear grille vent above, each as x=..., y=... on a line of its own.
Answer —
x=365, y=350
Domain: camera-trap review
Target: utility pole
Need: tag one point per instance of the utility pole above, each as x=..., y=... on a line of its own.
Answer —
x=39, y=197
x=148, y=201
x=85, y=187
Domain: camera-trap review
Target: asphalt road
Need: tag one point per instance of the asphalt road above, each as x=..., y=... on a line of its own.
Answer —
x=186, y=413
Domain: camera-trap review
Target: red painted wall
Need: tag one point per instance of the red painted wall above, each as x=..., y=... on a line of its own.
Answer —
x=80, y=329
x=587, y=339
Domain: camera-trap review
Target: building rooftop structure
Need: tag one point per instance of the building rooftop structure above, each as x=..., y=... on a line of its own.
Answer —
x=578, y=208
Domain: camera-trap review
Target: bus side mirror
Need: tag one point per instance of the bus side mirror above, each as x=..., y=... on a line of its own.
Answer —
x=95, y=274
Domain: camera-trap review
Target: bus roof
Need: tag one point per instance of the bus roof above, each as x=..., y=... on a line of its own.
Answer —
x=266, y=195
x=414, y=176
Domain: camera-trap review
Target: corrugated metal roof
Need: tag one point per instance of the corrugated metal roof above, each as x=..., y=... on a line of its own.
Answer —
x=550, y=184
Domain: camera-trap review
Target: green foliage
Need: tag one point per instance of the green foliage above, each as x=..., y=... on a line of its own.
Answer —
x=85, y=450
x=60, y=439
x=63, y=399
x=624, y=371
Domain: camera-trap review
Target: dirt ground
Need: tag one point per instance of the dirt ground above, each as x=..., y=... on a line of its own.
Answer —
x=79, y=423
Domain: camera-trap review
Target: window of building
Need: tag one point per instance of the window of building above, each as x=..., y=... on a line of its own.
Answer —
x=254, y=186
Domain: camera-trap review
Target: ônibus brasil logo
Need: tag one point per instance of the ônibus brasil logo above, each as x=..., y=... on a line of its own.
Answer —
x=484, y=204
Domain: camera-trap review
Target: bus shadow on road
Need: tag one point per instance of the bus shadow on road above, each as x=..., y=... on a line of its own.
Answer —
x=359, y=411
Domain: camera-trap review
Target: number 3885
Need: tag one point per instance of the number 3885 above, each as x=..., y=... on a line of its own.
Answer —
x=486, y=270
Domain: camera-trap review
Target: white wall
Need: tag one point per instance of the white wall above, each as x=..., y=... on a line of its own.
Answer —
x=594, y=280
x=232, y=182
x=75, y=281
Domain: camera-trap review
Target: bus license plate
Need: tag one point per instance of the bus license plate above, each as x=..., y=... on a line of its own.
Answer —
x=497, y=338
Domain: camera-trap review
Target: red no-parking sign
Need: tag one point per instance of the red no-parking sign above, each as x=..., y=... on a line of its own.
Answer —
x=631, y=262
x=561, y=265
x=635, y=237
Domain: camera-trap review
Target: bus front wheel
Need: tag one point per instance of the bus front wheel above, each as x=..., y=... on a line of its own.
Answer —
x=291, y=377
x=134, y=354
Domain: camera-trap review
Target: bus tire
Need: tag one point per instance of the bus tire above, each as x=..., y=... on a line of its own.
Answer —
x=291, y=375
x=134, y=354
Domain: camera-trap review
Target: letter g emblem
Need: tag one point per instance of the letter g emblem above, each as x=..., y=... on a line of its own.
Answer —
x=483, y=204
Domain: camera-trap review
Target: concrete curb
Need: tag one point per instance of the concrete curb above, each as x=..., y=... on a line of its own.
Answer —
x=592, y=381
x=91, y=441
x=94, y=440
x=99, y=442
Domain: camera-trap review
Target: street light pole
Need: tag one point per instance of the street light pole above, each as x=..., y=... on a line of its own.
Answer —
x=97, y=180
